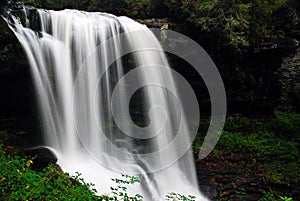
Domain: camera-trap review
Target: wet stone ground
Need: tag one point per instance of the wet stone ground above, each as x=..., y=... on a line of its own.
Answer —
x=236, y=177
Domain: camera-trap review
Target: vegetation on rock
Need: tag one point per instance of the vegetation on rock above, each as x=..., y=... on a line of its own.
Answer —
x=18, y=181
x=254, y=159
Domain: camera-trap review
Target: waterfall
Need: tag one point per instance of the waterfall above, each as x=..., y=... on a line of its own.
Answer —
x=86, y=68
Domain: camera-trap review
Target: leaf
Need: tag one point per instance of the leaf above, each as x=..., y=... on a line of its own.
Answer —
x=28, y=163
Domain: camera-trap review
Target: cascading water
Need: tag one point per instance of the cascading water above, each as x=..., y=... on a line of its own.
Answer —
x=84, y=101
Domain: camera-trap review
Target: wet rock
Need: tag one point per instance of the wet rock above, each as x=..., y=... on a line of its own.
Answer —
x=154, y=23
x=289, y=76
x=205, y=186
x=251, y=198
x=42, y=157
x=295, y=34
x=17, y=99
x=288, y=43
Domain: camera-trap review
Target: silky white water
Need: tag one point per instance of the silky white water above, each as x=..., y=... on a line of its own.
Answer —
x=84, y=101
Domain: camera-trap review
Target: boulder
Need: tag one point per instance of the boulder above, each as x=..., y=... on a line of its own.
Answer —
x=43, y=156
x=205, y=186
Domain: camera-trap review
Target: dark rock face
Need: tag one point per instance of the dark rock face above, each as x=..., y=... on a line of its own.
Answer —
x=289, y=76
x=205, y=186
x=2, y=6
x=266, y=79
x=42, y=157
x=155, y=23
x=17, y=98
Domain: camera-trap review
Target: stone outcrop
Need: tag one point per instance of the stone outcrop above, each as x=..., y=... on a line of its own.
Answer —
x=17, y=99
x=289, y=76
x=42, y=157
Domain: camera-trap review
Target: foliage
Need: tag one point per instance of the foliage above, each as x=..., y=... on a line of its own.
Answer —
x=58, y=4
x=263, y=144
x=268, y=196
x=138, y=8
x=240, y=23
x=117, y=7
x=237, y=122
x=283, y=173
x=286, y=124
x=176, y=197
x=120, y=192
x=262, y=136
x=34, y=3
x=19, y=182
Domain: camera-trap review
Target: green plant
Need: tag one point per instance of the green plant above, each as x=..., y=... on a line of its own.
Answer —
x=268, y=196
x=283, y=173
x=238, y=23
x=120, y=191
x=176, y=197
x=284, y=198
x=34, y=3
x=263, y=144
x=286, y=124
x=19, y=182
x=237, y=122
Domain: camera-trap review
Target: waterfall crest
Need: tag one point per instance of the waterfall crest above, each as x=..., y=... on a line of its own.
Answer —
x=86, y=68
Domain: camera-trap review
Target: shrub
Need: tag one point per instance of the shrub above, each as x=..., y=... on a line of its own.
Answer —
x=176, y=197
x=268, y=196
x=286, y=124
x=237, y=23
x=19, y=182
x=263, y=144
